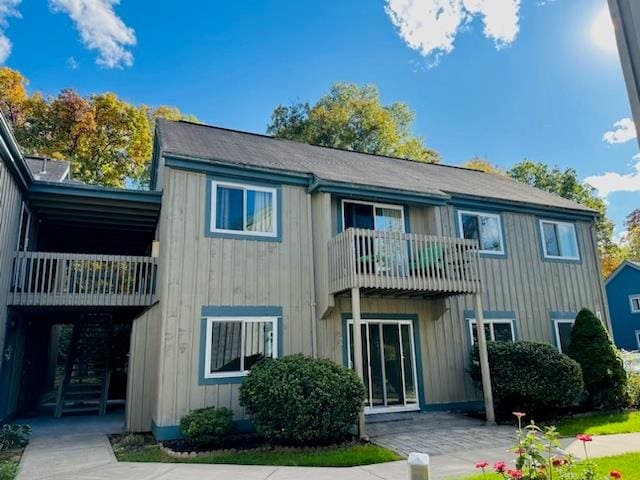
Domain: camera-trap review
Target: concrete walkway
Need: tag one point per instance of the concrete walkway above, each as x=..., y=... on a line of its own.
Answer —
x=79, y=449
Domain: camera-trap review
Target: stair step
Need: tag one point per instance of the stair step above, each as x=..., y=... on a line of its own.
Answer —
x=80, y=409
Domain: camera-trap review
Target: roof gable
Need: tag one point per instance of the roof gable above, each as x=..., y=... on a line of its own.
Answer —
x=624, y=265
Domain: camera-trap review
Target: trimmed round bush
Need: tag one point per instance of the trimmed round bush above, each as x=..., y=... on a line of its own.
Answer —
x=300, y=400
x=531, y=377
x=207, y=426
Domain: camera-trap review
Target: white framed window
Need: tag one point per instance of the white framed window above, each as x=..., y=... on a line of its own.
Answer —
x=559, y=240
x=244, y=209
x=496, y=330
x=235, y=344
x=562, y=328
x=634, y=301
x=373, y=216
x=638, y=338
x=486, y=228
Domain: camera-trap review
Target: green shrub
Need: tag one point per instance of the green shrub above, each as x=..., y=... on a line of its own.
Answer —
x=300, y=400
x=603, y=371
x=207, y=426
x=530, y=377
x=633, y=390
x=8, y=469
x=14, y=436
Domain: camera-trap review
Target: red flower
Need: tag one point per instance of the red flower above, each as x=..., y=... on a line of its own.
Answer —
x=483, y=464
x=615, y=474
x=519, y=414
x=584, y=437
x=515, y=474
x=499, y=467
x=558, y=462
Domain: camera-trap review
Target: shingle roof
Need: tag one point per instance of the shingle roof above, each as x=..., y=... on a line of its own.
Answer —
x=47, y=169
x=223, y=145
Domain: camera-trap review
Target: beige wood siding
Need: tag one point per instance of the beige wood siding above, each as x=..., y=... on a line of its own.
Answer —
x=197, y=271
x=521, y=283
x=10, y=208
x=142, y=378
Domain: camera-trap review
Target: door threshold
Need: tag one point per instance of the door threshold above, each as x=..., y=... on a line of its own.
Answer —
x=383, y=410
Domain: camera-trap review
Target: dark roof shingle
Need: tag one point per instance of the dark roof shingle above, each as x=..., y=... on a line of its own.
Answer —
x=218, y=144
x=47, y=169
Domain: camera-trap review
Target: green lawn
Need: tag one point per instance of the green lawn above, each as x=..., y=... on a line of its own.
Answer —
x=8, y=469
x=626, y=464
x=600, y=424
x=348, y=456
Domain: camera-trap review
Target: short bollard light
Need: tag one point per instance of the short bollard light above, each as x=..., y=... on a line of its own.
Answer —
x=418, y=466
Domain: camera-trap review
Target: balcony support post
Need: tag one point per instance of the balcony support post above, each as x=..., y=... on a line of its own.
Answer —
x=357, y=349
x=484, y=361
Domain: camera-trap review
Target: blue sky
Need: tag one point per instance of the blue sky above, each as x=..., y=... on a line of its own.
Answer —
x=506, y=84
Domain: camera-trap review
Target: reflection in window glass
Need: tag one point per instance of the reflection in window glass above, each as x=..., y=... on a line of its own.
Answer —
x=495, y=330
x=490, y=234
x=226, y=338
x=229, y=208
x=259, y=211
x=559, y=239
x=237, y=345
x=485, y=228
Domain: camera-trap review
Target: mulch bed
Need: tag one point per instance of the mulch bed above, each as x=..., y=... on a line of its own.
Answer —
x=241, y=442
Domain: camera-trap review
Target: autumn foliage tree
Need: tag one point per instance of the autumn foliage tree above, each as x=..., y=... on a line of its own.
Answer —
x=107, y=140
x=352, y=117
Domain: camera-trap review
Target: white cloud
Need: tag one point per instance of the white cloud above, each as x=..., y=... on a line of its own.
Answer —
x=624, y=130
x=100, y=29
x=500, y=17
x=612, y=182
x=431, y=26
x=8, y=8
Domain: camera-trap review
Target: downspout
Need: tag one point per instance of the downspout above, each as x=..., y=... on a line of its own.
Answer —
x=314, y=318
x=603, y=292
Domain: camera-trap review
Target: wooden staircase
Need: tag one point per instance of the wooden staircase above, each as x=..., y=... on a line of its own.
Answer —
x=85, y=384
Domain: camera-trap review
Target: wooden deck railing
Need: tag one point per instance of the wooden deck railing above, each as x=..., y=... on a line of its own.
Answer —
x=49, y=279
x=380, y=261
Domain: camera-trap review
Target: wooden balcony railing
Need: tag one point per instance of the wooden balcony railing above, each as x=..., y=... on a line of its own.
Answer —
x=49, y=279
x=391, y=261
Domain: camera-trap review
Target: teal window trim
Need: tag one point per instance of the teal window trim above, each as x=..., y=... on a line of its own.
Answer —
x=551, y=259
x=240, y=312
x=465, y=202
x=415, y=322
x=208, y=232
x=340, y=211
x=503, y=234
x=633, y=309
x=490, y=316
x=560, y=317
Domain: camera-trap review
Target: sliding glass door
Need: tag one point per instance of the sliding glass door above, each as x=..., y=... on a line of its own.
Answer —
x=389, y=364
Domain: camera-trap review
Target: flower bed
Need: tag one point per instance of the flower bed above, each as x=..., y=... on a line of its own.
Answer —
x=538, y=456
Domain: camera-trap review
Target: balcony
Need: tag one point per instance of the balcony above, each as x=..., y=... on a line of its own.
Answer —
x=402, y=264
x=69, y=279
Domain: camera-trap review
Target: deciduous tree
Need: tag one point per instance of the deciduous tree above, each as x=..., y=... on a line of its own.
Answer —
x=352, y=117
x=482, y=165
x=107, y=140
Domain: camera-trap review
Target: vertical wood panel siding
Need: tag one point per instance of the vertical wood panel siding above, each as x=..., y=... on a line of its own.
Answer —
x=142, y=378
x=198, y=270
x=10, y=207
x=521, y=283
